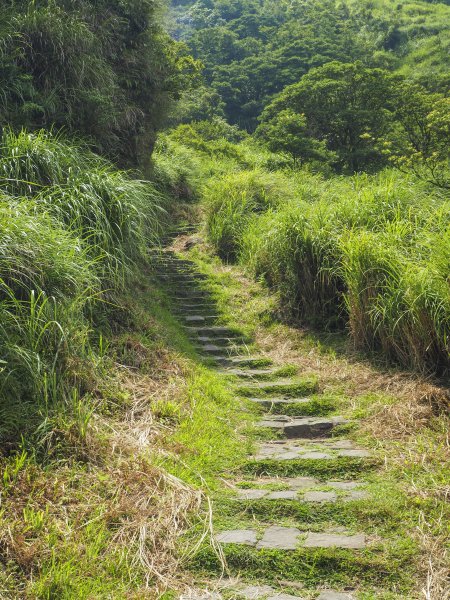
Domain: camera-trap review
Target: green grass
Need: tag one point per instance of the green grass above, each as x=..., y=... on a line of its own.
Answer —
x=403, y=488
x=333, y=567
x=71, y=228
x=367, y=254
x=295, y=388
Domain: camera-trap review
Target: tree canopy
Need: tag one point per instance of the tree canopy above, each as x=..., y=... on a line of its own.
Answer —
x=253, y=49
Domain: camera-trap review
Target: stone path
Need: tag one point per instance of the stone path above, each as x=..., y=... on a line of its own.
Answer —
x=283, y=470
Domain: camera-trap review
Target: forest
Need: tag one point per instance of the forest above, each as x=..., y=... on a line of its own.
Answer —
x=308, y=140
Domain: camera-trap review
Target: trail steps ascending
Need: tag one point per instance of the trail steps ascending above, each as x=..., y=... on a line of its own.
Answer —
x=283, y=472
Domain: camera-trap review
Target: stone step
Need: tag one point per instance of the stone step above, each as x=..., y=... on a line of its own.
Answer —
x=200, y=319
x=239, y=590
x=192, y=295
x=262, y=486
x=183, y=271
x=172, y=266
x=181, y=277
x=304, y=489
x=302, y=427
x=220, y=341
x=194, y=298
x=291, y=538
x=198, y=310
x=251, y=362
x=270, y=403
x=196, y=305
x=326, y=449
x=252, y=374
x=192, y=288
x=213, y=330
x=213, y=350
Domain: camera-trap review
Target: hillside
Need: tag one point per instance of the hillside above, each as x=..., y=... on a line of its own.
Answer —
x=224, y=300
x=251, y=50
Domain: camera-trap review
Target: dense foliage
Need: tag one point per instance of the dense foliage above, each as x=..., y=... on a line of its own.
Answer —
x=79, y=80
x=253, y=49
x=104, y=70
x=363, y=252
x=70, y=227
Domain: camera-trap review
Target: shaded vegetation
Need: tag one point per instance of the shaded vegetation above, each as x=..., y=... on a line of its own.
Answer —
x=103, y=70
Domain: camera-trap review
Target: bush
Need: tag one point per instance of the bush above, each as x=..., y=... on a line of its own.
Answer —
x=234, y=200
x=71, y=227
x=46, y=282
x=114, y=214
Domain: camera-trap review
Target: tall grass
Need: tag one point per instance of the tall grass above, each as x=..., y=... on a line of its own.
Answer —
x=71, y=228
x=235, y=199
x=115, y=215
x=367, y=252
x=46, y=281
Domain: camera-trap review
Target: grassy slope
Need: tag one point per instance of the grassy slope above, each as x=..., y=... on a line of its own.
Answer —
x=369, y=251
x=404, y=421
x=98, y=511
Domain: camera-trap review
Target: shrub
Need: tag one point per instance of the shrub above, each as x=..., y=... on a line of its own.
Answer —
x=46, y=282
x=368, y=251
x=234, y=200
x=114, y=214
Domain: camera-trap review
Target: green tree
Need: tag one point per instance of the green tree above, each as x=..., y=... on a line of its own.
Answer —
x=419, y=140
x=104, y=70
x=287, y=133
x=344, y=106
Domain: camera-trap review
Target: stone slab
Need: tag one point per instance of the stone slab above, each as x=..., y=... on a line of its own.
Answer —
x=211, y=330
x=302, y=427
x=315, y=456
x=320, y=497
x=252, y=494
x=288, y=451
x=332, y=595
x=283, y=597
x=309, y=448
x=253, y=373
x=344, y=485
x=275, y=385
x=299, y=483
x=199, y=318
x=281, y=538
x=270, y=402
x=201, y=596
x=333, y=540
x=254, y=592
x=282, y=495
x=237, y=536
x=210, y=348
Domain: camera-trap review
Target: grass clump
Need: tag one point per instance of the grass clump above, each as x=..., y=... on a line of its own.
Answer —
x=71, y=228
x=47, y=283
x=371, y=252
x=113, y=214
x=234, y=200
